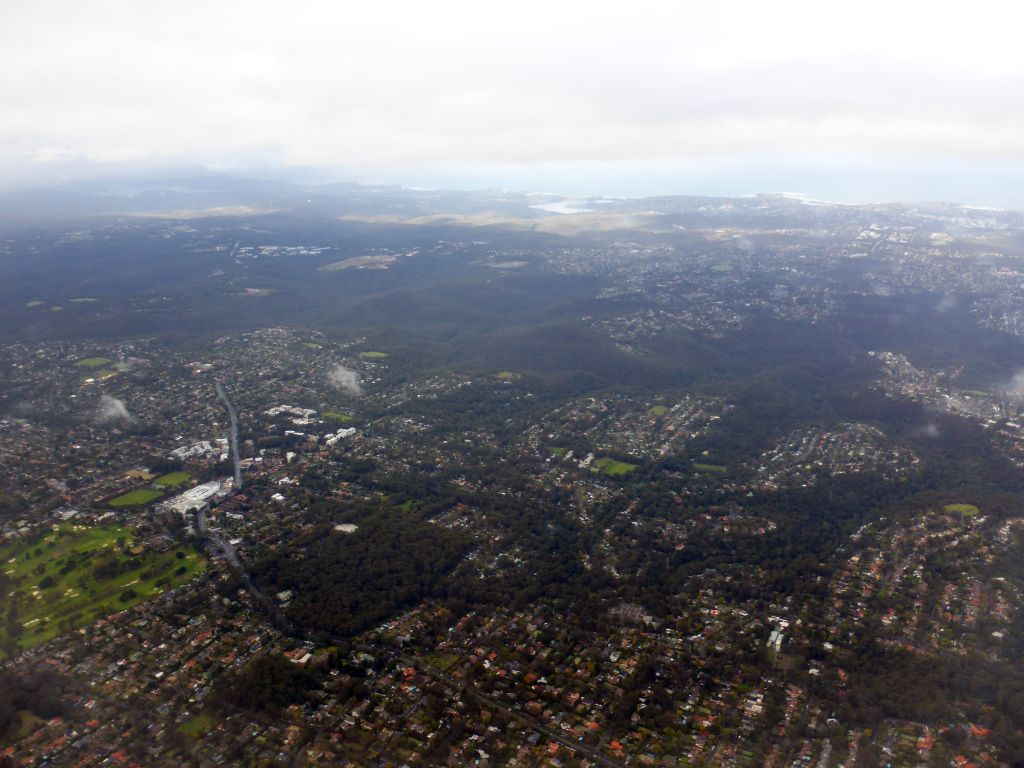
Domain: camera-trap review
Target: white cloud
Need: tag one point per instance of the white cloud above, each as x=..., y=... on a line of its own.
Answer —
x=1016, y=387
x=345, y=379
x=405, y=84
x=111, y=410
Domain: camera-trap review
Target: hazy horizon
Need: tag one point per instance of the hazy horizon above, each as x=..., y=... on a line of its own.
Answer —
x=855, y=103
x=865, y=186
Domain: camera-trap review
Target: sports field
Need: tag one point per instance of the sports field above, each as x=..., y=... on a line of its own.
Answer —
x=702, y=467
x=337, y=416
x=136, y=498
x=964, y=510
x=93, y=362
x=173, y=480
x=613, y=468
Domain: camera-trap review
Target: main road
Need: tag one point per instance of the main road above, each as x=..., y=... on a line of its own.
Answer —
x=232, y=435
x=215, y=538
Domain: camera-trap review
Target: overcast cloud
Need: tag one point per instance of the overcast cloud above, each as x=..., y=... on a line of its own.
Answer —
x=393, y=87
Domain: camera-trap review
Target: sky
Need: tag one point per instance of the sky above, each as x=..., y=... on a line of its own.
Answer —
x=849, y=100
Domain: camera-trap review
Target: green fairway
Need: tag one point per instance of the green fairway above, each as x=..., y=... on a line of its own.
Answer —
x=965, y=510
x=136, y=498
x=658, y=410
x=94, y=362
x=508, y=376
x=340, y=418
x=613, y=468
x=173, y=480
x=72, y=575
x=373, y=355
x=557, y=452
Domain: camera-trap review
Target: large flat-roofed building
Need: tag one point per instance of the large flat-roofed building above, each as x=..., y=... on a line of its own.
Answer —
x=194, y=498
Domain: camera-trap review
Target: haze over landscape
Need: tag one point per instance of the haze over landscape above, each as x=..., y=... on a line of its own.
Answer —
x=488, y=385
x=864, y=102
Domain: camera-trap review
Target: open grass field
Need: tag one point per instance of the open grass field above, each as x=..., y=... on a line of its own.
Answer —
x=27, y=723
x=658, y=410
x=373, y=355
x=701, y=467
x=73, y=575
x=964, y=510
x=372, y=261
x=613, y=468
x=198, y=726
x=443, y=661
x=337, y=417
x=136, y=498
x=94, y=362
x=173, y=480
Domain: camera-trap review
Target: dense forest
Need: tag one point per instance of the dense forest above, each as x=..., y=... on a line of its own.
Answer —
x=346, y=583
x=42, y=693
x=266, y=683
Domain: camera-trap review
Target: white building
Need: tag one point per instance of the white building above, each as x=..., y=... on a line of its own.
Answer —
x=194, y=498
x=341, y=434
